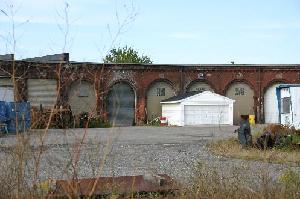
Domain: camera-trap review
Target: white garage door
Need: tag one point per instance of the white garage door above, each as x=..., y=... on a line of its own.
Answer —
x=199, y=114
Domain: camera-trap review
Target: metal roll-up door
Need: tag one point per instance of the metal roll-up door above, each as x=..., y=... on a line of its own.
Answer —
x=42, y=92
x=82, y=97
x=156, y=93
x=271, y=111
x=6, y=90
x=200, y=87
x=206, y=114
x=121, y=105
x=244, y=102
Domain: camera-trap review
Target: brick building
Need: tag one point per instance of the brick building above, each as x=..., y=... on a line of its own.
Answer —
x=128, y=94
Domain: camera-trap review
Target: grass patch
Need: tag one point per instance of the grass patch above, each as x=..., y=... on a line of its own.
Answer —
x=238, y=182
x=231, y=148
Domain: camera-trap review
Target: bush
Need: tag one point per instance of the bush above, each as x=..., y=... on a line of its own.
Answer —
x=40, y=119
x=83, y=120
x=98, y=122
x=279, y=136
x=154, y=122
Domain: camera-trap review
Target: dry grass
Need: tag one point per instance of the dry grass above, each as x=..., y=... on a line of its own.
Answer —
x=237, y=183
x=231, y=148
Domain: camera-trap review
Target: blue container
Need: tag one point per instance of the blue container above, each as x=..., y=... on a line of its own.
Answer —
x=23, y=125
x=3, y=115
x=18, y=110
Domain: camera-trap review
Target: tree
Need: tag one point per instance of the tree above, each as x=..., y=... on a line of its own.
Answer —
x=126, y=55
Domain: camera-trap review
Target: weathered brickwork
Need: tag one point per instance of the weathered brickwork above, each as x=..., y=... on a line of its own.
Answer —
x=141, y=77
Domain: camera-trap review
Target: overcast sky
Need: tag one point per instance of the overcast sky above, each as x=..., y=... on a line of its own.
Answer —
x=168, y=31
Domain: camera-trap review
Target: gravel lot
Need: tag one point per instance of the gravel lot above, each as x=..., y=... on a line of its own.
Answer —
x=133, y=151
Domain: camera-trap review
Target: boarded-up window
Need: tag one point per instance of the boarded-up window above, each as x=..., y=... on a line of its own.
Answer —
x=160, y=91
x=239, y=91
x=82, y=92
x=285, y=105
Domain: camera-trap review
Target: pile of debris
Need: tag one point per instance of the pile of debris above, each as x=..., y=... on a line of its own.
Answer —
x=278, y=136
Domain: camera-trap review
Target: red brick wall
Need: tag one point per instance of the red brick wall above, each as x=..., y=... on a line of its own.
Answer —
x=140, y=77
x=259, y=78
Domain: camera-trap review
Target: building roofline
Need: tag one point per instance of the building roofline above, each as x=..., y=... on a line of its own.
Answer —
x=36, y=61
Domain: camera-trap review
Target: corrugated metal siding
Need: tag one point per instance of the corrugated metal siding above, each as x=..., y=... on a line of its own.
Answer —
x=121, y=105
x=157, y=92
x=6, y=82
x=6, y=90
x=200, y=86
x=82, y=97
x=271, y=105
x=42, y=91
x=244, y=102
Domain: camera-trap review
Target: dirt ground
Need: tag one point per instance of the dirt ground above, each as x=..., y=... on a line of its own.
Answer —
x=132, y=151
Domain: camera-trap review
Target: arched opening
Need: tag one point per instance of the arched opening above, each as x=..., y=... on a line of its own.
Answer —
x=243, y=95
x=271, y=112
x=82, y=97
x=157, y=92
x=121, y=105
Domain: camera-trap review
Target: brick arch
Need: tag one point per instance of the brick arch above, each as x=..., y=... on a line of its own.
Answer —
x=274, y=81
x=67, y=85
x=76, y=78
x=239, y=81
x=201, y=81
x=81, y=79
x=127, y=81
x=160, y=80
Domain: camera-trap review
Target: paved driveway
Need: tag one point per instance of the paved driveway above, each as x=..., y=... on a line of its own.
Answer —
x=126, y=150
x=148, y=135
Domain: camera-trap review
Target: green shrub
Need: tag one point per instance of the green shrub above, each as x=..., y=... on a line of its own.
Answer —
x=83, y=120
x=98, y=122
x=154, y=122
x=278, y=136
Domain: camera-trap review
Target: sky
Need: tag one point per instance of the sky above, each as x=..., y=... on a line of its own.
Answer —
x=168, y=31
